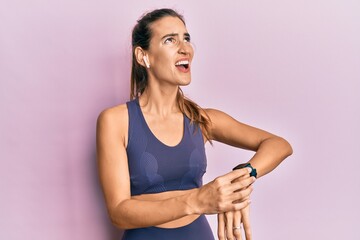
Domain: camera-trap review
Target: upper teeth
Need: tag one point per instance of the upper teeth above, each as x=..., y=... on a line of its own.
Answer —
x=182, y=62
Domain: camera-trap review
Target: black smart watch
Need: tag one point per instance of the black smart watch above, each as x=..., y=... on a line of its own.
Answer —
x=253, y=172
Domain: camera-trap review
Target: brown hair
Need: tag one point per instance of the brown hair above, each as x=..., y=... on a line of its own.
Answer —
x=141, y=36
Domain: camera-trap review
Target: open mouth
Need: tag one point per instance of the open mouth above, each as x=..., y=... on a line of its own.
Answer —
x=182, y=65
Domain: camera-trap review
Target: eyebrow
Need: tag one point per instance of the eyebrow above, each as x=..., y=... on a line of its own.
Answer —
x=174, y=35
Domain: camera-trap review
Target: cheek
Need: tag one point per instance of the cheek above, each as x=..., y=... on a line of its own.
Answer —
x=191, y=49
x=163, y=58
x=163, y=65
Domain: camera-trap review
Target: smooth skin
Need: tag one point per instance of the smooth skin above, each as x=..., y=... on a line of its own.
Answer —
x=227, y=195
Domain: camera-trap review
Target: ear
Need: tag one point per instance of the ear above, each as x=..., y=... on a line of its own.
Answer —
x=141, y=57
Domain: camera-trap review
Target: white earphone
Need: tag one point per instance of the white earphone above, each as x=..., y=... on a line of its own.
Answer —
x=146, y=60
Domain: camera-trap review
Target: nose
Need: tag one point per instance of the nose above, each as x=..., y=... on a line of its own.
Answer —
x=185, y=48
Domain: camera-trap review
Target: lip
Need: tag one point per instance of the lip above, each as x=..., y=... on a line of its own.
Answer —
x=182, y=59
x=183, y=70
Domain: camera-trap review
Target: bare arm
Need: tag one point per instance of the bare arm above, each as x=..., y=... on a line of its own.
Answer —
x=125, y=212
x=270, y=149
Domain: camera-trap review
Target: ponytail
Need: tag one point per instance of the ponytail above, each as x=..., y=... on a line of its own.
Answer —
x=195, y=113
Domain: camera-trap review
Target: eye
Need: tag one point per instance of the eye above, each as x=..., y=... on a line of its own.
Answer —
x=170, y=40
x=187, y=39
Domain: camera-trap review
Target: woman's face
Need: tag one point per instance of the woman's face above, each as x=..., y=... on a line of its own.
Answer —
x=170, y=52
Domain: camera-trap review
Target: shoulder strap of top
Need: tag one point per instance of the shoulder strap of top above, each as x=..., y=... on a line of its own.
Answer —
x=133, y=116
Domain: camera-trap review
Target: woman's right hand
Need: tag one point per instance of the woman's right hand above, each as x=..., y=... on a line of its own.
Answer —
x=224, y=194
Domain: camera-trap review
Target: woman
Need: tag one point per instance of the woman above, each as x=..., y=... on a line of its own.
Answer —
x=151, y=153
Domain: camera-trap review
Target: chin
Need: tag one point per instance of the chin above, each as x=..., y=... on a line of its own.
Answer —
x=185, y=82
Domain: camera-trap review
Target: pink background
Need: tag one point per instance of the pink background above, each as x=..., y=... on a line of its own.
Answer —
x=290, y=67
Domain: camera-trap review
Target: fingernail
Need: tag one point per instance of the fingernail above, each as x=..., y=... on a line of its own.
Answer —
x=249, y=170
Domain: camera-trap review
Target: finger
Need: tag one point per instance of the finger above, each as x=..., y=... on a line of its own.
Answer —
x=221, y=226
x=241, y=178
x=245, y=212
x=229, y=225
x=237, y=223
x=236, y=174
x=238, y=185
x=240, y=205
x=241, y=195
x=250, y=185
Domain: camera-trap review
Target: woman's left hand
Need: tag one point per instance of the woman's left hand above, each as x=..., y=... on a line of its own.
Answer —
x=232, y=224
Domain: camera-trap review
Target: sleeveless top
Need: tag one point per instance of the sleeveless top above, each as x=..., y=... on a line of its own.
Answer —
x=155, y=167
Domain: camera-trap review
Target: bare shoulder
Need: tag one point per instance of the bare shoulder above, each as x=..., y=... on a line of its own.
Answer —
x=114, y=114
x=114, y=120
x=216, y=116
x=211, y=112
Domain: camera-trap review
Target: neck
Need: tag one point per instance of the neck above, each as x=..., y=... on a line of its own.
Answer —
x=159, y=101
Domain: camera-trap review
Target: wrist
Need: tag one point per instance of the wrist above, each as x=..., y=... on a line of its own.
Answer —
x=253, y=172
x=192, y=205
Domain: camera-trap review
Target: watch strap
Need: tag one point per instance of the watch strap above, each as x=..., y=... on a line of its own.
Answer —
x=253, y=172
